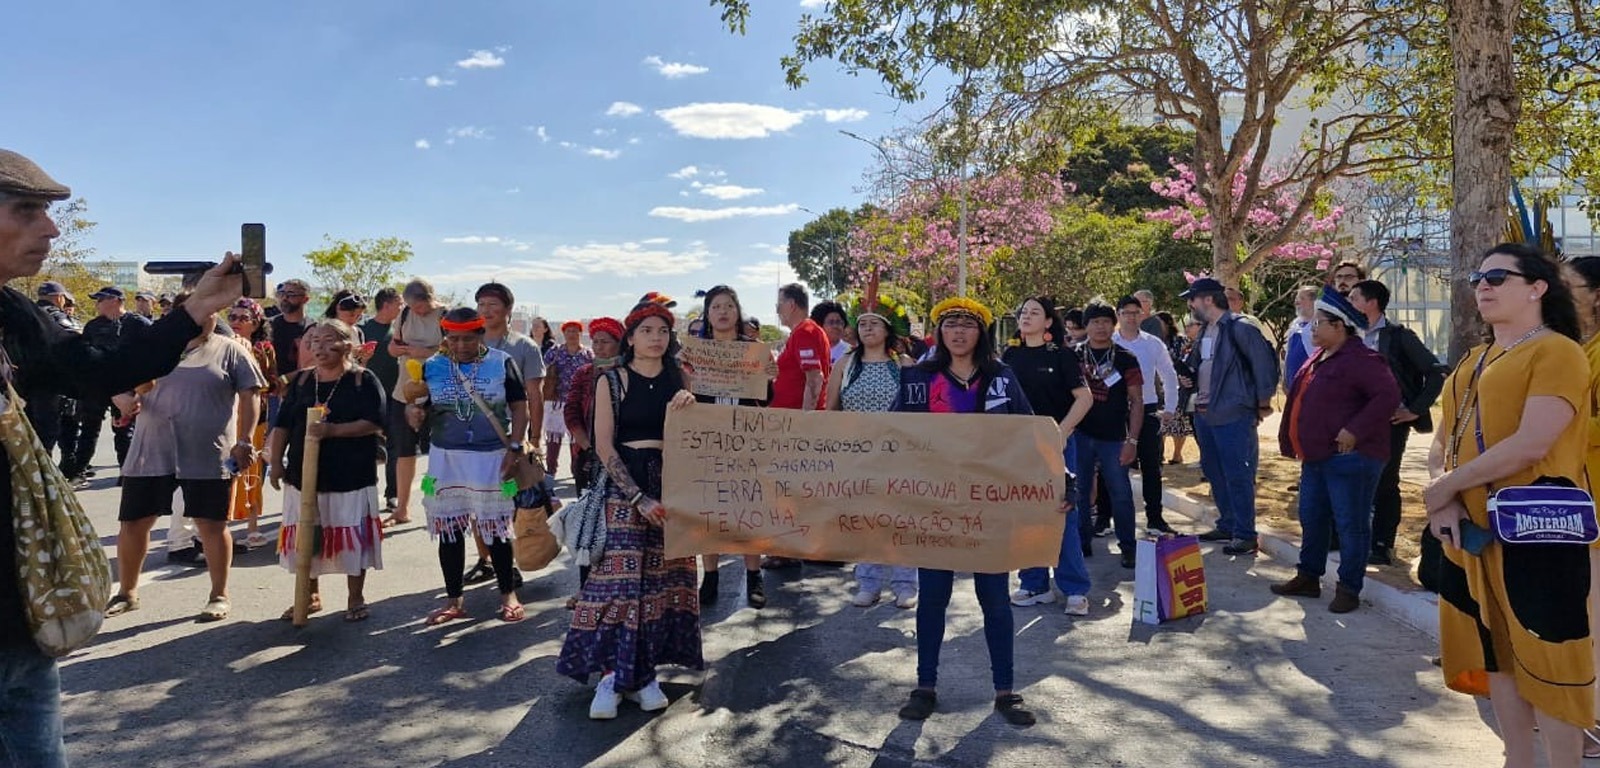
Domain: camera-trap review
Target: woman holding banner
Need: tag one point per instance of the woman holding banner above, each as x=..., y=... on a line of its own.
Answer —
x=638, y=609
x=1049, y=372
x=349, y=529
x=724, y=321
x=963, y=376
x=868, y=379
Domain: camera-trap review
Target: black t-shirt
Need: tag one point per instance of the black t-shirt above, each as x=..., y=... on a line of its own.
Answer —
x=286, y=342
x=1048, y=373
x=381, y=363
x=1110, y=374
x=345, y=463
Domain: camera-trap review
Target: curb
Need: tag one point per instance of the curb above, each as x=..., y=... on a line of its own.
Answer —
x=1416, y=608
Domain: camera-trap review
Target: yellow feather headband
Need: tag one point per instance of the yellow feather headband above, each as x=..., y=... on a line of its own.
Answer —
x=959, y=306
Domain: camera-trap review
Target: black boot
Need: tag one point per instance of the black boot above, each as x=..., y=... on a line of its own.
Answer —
x=755, y=591
x=708, y=588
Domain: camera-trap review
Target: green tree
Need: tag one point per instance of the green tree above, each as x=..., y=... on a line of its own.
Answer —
x=1117, y=164
x=69, y=262
x=363, y=266
x=819, y=251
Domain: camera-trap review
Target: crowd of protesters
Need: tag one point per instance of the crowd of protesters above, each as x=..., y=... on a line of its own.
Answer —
x=216, y=409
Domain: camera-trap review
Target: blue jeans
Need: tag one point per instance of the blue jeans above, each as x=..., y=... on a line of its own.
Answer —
x=30, y=710
x=1339, y=491
x=1228, y=455
x=902, y=579
x=1072, y=574
x=998, y=627
x=1107, y=454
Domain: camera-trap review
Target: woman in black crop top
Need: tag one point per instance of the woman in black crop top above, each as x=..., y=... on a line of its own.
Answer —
x=637, y=609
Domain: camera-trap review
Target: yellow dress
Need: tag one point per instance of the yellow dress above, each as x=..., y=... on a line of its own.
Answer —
x=1592, y=350
x=1522, y=611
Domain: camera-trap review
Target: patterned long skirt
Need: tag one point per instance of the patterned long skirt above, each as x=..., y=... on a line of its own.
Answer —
x=638, y=609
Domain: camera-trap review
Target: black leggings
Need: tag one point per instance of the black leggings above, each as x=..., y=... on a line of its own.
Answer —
x=453, y=562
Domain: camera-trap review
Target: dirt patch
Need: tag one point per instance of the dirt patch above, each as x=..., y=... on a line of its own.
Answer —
x=1277, y=506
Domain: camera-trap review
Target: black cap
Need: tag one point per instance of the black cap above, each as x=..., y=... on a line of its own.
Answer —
x=21, y=177
x=1203, y=286
x=51, y=288
x=108, y=292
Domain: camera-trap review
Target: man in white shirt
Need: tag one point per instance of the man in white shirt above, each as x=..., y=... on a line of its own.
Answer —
x=1155, y=361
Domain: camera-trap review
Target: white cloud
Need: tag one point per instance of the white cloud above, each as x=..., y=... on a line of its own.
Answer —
x=844, y=115
x=538, y=130
x=813, y=3
x=435, y=81
x=471, y=240
x=776, y=250
x=730, y=120
x=686, y=172
x=604, y=154
x=422, y=144
x=483, y=60
x=673, y=70
x=633, y=140
x=469, y=132
x=514, y=191
x=766, y=274
x=604, y=131
x=656, y=240
x=729, y=191
x=695, y=215
x=623, y=109
x=632, y=259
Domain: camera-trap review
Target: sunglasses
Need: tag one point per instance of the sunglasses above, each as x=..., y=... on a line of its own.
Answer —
x=1495, y=277
x=232, y=318
x=352, y=302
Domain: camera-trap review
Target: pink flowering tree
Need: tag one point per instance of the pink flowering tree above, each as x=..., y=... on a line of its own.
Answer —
x=914, y=242
x=1280, y=222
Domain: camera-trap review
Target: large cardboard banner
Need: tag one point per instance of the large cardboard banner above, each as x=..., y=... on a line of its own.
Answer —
x=726, y=368
x=963, y=492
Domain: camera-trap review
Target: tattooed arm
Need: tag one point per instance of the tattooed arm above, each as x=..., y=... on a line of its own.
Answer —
x=605, y=431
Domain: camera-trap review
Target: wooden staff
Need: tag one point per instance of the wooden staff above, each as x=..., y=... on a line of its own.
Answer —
x=310, y=515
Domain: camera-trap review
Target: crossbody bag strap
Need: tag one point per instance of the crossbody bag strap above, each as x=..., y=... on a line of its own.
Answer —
x=482, y=406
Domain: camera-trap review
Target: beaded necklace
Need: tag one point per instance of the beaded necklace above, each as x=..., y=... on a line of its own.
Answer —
x=1469, y=403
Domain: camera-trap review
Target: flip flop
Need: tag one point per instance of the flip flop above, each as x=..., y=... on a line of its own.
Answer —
x=447, y=613
x=393, y=521
x=511, y=614
x=357, y=613
x=288, y=613
x=121, y=604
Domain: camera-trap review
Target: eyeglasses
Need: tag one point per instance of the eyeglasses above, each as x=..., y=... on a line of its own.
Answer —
x=1495, y=277
x=232, y=318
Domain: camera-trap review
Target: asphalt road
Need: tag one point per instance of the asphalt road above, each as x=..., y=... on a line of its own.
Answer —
x=809, y=681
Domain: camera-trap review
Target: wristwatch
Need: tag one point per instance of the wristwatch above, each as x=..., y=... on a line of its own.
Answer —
x=515, y=447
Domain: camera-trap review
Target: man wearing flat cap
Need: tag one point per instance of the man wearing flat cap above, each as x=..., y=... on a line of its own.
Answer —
x=41, y=358
x=1236, y=376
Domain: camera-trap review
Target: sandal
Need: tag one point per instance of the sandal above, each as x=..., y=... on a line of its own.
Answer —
x=1010, y=707
x=357, y=612
x=447, y=613
x=393, y=521
x=921, y=704
x=314, y=607
x=216, y=609
x=479, y=573
x=511, y=614
x=122, y=603
x=255, y=540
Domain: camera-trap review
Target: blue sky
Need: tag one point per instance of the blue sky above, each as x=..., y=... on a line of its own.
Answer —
x=582, y=152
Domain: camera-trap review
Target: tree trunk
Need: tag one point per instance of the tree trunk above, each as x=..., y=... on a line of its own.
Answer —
x=1225, y=239
x=1483, y=122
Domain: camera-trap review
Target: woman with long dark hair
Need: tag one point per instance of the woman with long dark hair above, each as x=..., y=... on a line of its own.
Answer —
x=348, y=306
x=539, y=330
x=723, y=320
x=867, y=379
x=1049, y=372
x=954, y=380
x=637, y=610
x=249, y=325
x=1513, y=619
x=1583, y=276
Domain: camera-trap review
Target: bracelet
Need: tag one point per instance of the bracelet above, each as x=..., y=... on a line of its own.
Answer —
x=634, y=502
x=1131, y=441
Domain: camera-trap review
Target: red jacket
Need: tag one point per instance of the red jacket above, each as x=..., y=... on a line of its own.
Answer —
x=1351, y=388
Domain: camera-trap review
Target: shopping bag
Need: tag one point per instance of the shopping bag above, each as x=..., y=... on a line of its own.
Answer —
x=1146, y=593
x=1181, y=577
x=534, y=545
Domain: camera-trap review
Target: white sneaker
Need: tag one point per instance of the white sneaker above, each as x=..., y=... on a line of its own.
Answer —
x=1024, y=597
x=905, y=601
x=649, y=698
x=864, y=599
x=1077, y=605
x=604, y=706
